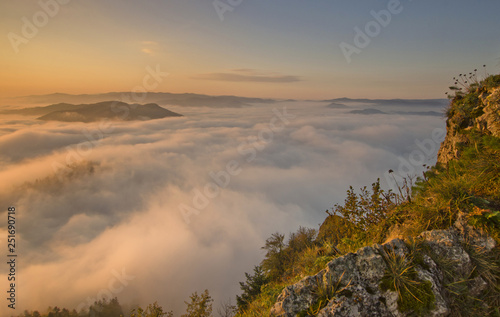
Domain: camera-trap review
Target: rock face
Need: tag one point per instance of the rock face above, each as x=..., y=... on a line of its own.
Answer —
x=487, y=123
x=357, y=278
x=372, y=281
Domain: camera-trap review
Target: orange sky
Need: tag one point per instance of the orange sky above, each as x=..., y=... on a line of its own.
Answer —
x=277, y=52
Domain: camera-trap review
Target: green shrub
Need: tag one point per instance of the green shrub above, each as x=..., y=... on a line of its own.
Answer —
x=251, y=288
x=152, y=310
x=334, y=229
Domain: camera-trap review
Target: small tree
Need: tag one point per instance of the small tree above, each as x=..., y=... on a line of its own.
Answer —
x=366, y=209
x=299, y=241
x=200, y=305
x=152, y=310
x=32, y=314
x=274, y=263
x=251, y=288
x=103, y=308
x=227, y=309
x=334, y=229
x=54, y=312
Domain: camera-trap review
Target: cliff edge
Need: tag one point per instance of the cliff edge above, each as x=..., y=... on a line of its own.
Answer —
x=446, y=259
x=478, y=110
x=369, y=282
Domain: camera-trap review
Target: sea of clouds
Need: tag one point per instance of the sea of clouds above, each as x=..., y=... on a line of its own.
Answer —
x=155, y=210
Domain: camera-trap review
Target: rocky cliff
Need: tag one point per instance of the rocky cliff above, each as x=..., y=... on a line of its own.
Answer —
x=483, y=114
x=438, y=272
x=362, y=283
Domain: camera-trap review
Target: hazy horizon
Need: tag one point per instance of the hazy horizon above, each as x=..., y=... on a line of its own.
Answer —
x=389, y=49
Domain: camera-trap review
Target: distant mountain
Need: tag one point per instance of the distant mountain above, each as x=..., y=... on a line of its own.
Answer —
x=420, y=113
x=367, y=111
x=199, y=100
x=112, y=110
x=408, y=113
x=335, y=105
x=394, y=102
x=162, y=98
x=38, y=111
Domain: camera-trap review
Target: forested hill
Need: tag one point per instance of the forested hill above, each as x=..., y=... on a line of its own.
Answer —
x=106, y=110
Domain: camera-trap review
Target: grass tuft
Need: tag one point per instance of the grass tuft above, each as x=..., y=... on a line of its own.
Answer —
x=400, y=276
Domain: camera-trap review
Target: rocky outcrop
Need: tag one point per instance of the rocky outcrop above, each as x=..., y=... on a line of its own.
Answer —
x=435, y=268
x=487, y=123
x=450, y=147
x=354, y=280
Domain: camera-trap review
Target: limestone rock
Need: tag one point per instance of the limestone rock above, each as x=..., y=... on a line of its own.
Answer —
x=359, y=276
x=450, y=147
x=490, y=120
x=488, y=123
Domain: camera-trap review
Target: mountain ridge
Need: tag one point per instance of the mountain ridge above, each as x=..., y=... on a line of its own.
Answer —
x=110, y=110
x=162, y=98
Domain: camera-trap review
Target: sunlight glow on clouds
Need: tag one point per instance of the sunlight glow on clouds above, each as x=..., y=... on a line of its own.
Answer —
x=118, y=207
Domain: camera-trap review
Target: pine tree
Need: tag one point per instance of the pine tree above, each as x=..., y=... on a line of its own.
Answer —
x=200, y=305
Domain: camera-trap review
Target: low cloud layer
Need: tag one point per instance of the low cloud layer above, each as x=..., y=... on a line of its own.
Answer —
x=111, y=223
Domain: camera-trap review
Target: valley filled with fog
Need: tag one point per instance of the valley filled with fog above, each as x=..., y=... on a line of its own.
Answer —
x=155, y=210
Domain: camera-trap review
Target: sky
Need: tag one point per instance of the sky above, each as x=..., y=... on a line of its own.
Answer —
x=278, y=49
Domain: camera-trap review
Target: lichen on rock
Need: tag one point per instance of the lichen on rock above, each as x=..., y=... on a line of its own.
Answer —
x=360, y=275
